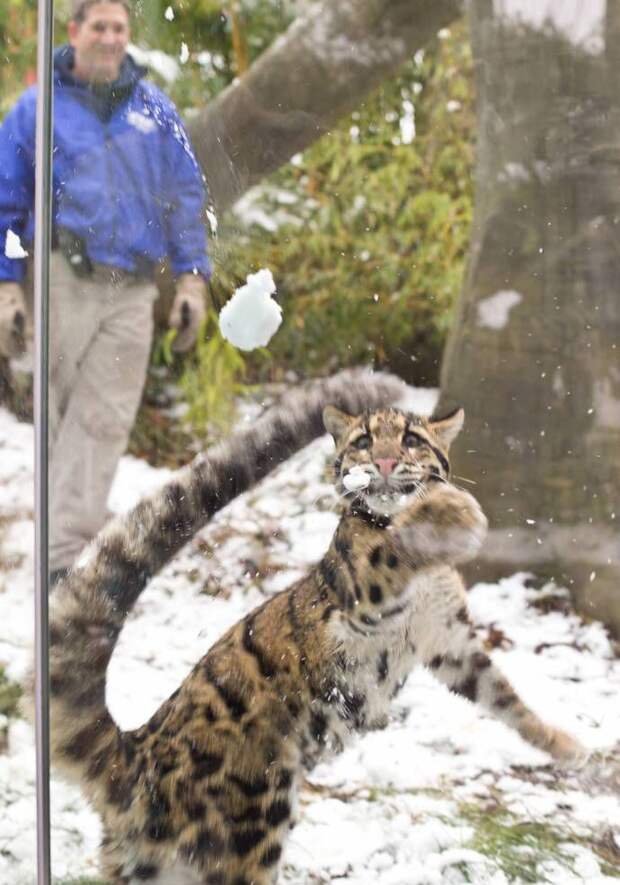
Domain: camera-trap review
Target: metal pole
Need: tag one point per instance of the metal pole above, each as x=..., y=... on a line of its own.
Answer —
x=42, y=247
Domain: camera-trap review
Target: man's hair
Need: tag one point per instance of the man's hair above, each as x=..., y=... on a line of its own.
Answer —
x=79, y=8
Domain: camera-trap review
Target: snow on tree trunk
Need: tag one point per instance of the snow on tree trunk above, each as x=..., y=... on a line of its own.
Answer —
x=534, y=353
x=316, y=72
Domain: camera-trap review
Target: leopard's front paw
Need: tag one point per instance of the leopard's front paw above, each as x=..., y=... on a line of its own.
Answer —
x=447, y=526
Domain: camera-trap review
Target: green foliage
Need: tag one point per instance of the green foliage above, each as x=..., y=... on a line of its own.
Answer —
x=205, y=28
x=522, y=848
x=163, y=355
x=10, y=693
x=212, y=380
x=18, y=42
x=370, y=249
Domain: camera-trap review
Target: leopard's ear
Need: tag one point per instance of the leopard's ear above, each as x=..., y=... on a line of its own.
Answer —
x=447, y=428
x=336, y=422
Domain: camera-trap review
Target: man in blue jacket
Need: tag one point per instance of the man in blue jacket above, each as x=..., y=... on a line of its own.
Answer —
x=127, y=193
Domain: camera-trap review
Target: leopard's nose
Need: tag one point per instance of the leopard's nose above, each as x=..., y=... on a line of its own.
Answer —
x=386, y=465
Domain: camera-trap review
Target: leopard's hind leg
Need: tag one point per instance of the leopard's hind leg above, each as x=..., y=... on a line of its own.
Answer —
x=112, y=861
x=450, y=648
x=123, y=863
x=242, y=840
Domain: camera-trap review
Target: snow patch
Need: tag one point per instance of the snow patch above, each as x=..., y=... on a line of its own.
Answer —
x=212, y=219
x=517, y=171
x=407, y=123
x=606, y=402
x=321, y=35
x=13, y=246
x=163, y=64
x=141, y=122
x=249, y=208
x=421, y=400
x=356, y=478
x=580, y=23
x=493, y=311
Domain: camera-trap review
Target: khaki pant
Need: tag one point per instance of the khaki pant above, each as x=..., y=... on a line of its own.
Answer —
x=100, y=338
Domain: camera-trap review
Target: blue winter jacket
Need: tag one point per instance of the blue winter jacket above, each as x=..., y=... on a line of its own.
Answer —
x=125, y=178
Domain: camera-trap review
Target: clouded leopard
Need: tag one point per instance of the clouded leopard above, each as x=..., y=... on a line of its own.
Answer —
x=204, y=792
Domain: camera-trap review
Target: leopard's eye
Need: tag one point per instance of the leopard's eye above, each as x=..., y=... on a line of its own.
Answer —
x=411, y=440
x=362, y=442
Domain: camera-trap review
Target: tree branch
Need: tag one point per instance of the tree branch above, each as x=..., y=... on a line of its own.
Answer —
x=316, y=72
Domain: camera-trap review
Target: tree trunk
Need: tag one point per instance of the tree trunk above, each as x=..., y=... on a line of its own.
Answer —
x=534, y=354
x=319, y=70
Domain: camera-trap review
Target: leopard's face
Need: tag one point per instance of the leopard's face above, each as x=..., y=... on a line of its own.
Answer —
x=384, y=455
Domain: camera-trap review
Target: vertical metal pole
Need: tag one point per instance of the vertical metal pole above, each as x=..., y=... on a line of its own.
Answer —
x=42, y=246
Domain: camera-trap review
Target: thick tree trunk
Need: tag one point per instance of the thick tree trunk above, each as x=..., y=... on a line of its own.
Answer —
x=534, y=354
x=322, y=68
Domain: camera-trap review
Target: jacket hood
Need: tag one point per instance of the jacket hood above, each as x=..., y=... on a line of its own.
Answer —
x=104, y=98
x=131, y=72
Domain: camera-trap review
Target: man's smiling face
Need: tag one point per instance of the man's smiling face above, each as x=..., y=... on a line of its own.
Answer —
x=100, y=42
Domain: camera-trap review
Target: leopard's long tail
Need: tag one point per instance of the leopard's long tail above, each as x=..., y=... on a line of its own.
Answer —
x=88, y=608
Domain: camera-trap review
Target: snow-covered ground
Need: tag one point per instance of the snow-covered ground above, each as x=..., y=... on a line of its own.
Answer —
x=443, y=795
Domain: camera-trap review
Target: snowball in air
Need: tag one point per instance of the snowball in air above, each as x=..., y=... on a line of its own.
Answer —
x=13, y=247
x=355, y=479
x=252, y=317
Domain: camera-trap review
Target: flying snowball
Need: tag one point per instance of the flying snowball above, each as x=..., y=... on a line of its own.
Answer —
x=251, y=318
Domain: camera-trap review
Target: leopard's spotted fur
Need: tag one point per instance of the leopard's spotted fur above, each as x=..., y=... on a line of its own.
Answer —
x=205, y=791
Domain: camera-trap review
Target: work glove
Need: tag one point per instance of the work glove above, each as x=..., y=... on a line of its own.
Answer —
x=188, y=310
x=12, y=319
